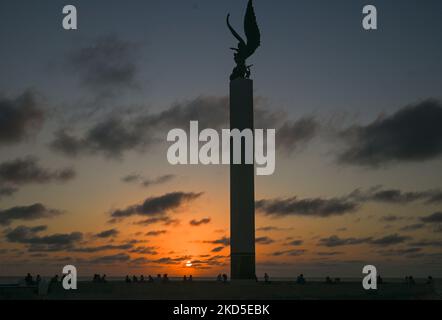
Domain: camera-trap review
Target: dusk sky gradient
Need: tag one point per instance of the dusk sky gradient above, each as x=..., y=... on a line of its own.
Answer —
x=84, y=115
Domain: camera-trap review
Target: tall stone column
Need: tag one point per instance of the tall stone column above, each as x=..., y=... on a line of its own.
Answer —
x=242, y=188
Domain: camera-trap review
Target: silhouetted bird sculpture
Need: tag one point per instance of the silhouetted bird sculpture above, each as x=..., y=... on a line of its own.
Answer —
x=245, y=50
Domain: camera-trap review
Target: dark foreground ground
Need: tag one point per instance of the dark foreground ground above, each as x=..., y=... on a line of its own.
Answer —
x=205, y=290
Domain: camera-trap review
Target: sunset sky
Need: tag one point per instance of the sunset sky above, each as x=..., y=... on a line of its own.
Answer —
x=84, y=115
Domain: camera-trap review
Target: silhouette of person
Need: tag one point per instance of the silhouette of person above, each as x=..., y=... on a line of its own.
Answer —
x=224, y=277
x=300, y=279
x=38, y=279
x=142, y=278
x=103, y=278
x=159, y=277
x=165, y=278
x=328, y=280
x=190, y=278
x=430, y=280
x=28, y=280
x=219, y=278
x=134, y=279
x=184, y=278
x=64, y=276
x=128, y=279
x=150, y=279
x=52, y=282
x=266, y=278
x=379, y=279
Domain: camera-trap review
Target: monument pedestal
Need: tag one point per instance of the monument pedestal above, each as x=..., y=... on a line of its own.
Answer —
x=242, y=188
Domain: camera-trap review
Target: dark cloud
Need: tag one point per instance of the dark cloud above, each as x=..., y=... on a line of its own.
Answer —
x=110, y=137
x=67, y=144
x=433, y=218
x=145, y=250
x=209, y=111
x=314, y=207
x=435, y=198
x=102, y=248
x=217, y=249
x=197, y=223
x=164, y=220
x=22, y=171
x=329, y=253
x=224, y=241
x=264, y=240
x=146, y=182
x=169, y=260
x=155, y=233
x=296, y=242
x=27, y=213
x=165, y=260
x=7, y=191
x=395, y=196
x=27, y=170
x=336, y=241
x=272, y=228
x=391, y=218
x=107, y=233
x=108, y=63
x=136, y=241
x=160, y=180
x=114, y=136
x=413, y=227
x=390, y=240
x=30, y=236
x=38, y=255
x=413, y=133
x=400, y=252
x=21, y=233
x=293, y=134
x=157, y=206
x=111, y=259
x=426, y=243
x=217, y=260
x=295, y=252
x=140, y=261
x=19, y=117
x=133, y=177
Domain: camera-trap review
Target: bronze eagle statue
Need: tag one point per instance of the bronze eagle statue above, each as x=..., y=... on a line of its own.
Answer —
x=245, y=49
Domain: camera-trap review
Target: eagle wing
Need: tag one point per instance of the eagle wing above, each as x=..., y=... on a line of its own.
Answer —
x=251, y=30
x=235, y=34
